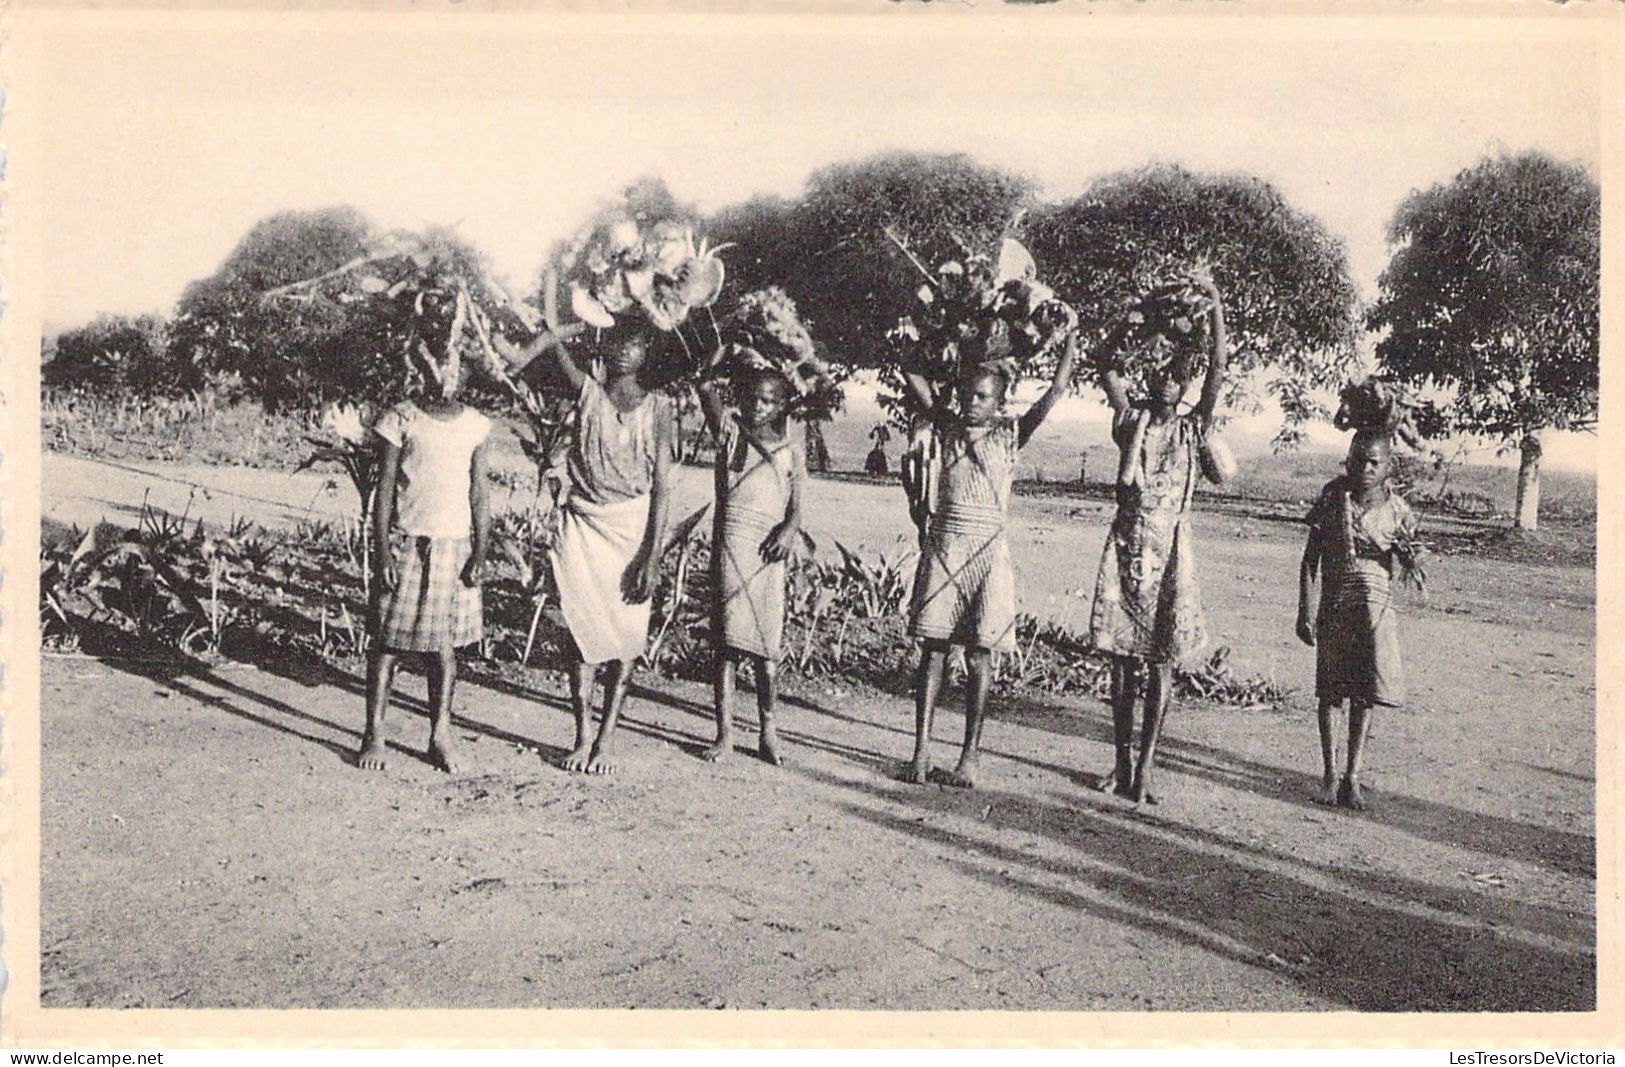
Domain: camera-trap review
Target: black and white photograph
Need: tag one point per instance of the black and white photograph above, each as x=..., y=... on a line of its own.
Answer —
x=1079, y=510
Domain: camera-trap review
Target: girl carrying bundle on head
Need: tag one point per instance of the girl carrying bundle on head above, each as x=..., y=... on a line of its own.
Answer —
x=432, y=494
x=1147, y=613
x=964, y=585
x=606, y=558
x=1360, y=531
x=759, y=473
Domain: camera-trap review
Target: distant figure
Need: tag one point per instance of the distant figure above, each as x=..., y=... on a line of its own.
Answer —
x=432, y=491
x=1147, y=613
x=964, y=586
x=875, y=462
x=1358, y=531
x=1083, y=469
x=759, y=472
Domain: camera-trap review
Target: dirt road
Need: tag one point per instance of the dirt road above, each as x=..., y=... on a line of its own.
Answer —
x=206, y=842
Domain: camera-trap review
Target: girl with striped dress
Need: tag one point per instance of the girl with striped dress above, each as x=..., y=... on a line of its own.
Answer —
x=964, y=584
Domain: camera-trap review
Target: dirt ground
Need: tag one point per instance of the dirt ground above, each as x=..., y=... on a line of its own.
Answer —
x=207, y=843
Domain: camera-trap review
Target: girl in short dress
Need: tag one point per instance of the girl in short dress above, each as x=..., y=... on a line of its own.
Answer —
x=1358, y=529
x=431, y=527
x=759, y=472
x=964, y=585
x=1147, y=613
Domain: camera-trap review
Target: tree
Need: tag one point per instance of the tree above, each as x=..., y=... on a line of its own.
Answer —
x=113, y=352
x=830, y=250
x=1289, y=301
x=1492, y=297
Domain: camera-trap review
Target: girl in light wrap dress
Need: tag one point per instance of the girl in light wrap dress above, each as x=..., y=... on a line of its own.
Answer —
x=759, y=472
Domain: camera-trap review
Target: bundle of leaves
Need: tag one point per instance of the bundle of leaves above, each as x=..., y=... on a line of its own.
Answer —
x=623, y=264
x=765, y=332
x=1379, y=403
x=981, y=311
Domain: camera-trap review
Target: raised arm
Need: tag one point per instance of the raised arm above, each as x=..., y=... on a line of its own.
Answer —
x=920, y=388
x=1213, y=384
x=1116, y=386
x=712, y=406
x=1035, y=415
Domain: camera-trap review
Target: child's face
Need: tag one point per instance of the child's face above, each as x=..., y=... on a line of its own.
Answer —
x=763, y=403
x=980, y=398
x=629, y=357
x=1370, y=458
x=1171, y=375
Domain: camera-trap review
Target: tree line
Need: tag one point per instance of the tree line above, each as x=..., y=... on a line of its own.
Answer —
x=1489, y=302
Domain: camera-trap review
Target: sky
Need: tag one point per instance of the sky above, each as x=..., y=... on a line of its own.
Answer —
x=167, y=138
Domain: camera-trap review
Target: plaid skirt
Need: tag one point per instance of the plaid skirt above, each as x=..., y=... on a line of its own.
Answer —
x=430, y=609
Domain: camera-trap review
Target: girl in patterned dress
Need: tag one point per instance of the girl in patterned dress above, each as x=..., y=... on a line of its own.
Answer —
x=1147, y=613
x=759, y=472
x=606, y=558
x=964, y=585
x=426, y=581
x=1357, y=529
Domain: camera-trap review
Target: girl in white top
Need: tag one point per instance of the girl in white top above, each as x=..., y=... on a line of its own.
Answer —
x=431, y=524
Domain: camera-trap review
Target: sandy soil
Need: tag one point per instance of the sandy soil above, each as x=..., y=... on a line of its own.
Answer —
x=207, y=842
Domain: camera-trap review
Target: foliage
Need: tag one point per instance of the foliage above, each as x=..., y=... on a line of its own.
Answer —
x=1492, y=294
x=830, y=248
x=1289, y=302
x=125, y=354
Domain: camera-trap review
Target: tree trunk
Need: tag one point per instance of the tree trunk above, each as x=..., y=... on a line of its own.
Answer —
x=817, y=449
x=1529, y=482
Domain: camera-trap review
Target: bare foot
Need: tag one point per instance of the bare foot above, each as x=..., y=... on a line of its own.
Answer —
x=441, y=756
x=372, y=755
x=1350, y=796
x=718, y=751
x=1328, y=793
x=602, y=763
x=918, y=771
x=1118, y=780
x=1141, y=792
x=767, y=747
x=576, y=762
x=961, y=777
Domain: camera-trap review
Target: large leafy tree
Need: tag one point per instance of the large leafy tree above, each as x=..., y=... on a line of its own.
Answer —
x=838, y=249
x=1492, y=297
x=114, y=352
x=290, y=354
x=1289, y=301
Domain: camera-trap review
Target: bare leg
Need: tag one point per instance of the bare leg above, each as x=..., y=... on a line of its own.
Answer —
x=722, y=692
x=380, y=680
x=1158, y=691
x=442, y=682
x=582, y=676
x=603, y=749
x=927, y=685
x=976, y=684
x=1125, y=698
x=1328, y=752
x=767, y=702
x=1350, y=796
